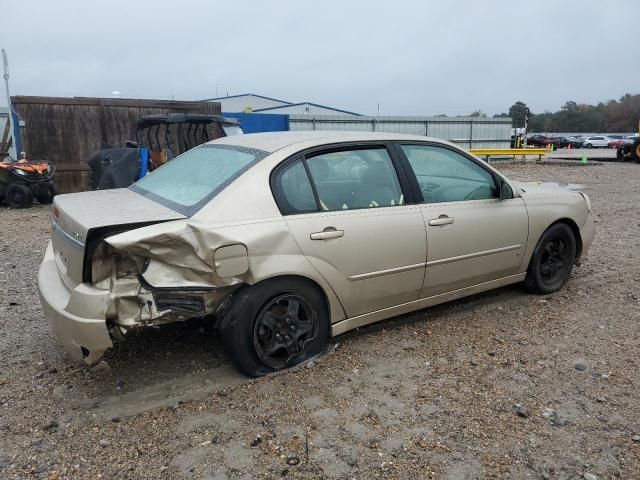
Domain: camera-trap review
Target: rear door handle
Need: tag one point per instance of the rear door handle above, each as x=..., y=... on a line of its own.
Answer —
x=441, y=220
x=327, y=234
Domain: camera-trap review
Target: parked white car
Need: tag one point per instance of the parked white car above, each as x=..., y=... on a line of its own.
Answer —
x=596, y=141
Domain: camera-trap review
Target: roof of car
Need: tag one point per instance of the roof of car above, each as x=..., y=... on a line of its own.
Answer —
x=272, y=141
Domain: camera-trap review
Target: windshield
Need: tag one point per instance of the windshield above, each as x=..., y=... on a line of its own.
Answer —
x=190, y=180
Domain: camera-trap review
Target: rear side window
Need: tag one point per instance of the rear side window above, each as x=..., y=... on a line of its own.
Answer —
x=353, y=179
x=294, y=192
x=338, y=180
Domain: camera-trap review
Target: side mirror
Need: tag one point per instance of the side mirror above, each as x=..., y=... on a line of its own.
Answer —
x=505, y=190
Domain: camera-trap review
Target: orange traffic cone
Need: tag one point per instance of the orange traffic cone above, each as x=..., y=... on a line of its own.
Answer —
x=569, y=147
x=548, y=147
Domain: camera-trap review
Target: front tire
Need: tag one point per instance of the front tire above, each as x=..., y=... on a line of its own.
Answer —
x=588, y=145
x=46, y=193
x=274, y=325
x=19, y=196
x=552, y=261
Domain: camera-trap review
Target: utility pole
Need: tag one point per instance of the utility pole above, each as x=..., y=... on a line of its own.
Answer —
x=5, y=66
x=527, y=112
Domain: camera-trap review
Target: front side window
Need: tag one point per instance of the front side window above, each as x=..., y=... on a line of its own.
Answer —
x=357, y=178
x=190, y=180
x=446, y=176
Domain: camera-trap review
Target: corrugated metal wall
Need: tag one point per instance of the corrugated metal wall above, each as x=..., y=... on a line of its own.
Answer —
x=468, y=132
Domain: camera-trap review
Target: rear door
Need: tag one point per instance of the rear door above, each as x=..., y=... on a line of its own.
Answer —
x=472, y=235
x=347, y=209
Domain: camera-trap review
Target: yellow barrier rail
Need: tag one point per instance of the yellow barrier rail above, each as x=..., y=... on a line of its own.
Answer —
x=509, y=152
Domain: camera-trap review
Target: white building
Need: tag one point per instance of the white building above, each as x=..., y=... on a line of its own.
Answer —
x=246, y=101
x=305, y=108
x=250, y=102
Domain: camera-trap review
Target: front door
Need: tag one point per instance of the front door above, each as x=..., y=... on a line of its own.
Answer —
x=353, y=225
x=472, y=235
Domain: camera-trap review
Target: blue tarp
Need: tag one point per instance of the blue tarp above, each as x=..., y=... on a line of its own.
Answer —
x=260, y=122
x=143, y=156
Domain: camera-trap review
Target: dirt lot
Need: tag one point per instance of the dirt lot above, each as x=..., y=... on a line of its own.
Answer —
x=434, y=394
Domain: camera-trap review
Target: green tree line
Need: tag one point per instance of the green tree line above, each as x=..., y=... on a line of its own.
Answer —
x=614, y=116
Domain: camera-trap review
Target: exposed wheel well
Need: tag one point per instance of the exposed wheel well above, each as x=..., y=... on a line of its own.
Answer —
x=295, y=278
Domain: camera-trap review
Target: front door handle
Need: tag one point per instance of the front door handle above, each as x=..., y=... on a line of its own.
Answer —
x=441, y=220
x=327, y=234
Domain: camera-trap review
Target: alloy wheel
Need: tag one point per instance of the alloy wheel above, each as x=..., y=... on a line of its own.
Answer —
x=554, y=261
x=283, y=328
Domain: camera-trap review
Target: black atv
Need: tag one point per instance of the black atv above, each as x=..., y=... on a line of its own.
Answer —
x=629, y=151
x=159, y=139
x=21, y=181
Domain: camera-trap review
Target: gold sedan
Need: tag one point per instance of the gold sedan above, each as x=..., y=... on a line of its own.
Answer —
x=285, y=239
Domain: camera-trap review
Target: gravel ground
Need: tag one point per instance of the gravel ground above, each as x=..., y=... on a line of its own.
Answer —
x=499, y=385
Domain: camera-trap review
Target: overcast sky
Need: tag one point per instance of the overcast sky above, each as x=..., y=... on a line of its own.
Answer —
x=412, y=57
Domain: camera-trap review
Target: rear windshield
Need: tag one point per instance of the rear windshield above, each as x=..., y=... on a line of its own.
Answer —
x=186, y=183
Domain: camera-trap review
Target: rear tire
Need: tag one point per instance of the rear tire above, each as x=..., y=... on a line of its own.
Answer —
x=274, y=325
x=552, y=261
x=19, y=196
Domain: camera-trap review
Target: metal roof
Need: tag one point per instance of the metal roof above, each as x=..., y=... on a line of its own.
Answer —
x=246, y=95
x=287, y=104
x=306, y=103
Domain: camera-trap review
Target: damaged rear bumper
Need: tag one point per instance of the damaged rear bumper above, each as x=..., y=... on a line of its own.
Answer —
x=77, y=316
x=86, y=316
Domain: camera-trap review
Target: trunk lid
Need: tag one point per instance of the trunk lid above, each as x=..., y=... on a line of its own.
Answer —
x=76, y=215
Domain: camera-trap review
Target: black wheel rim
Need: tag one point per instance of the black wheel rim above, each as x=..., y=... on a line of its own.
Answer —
x=283, y=328
x=555, y=261
x=17, y=197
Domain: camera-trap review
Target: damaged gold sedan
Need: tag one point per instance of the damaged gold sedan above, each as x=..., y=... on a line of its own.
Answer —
x=284, y=239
